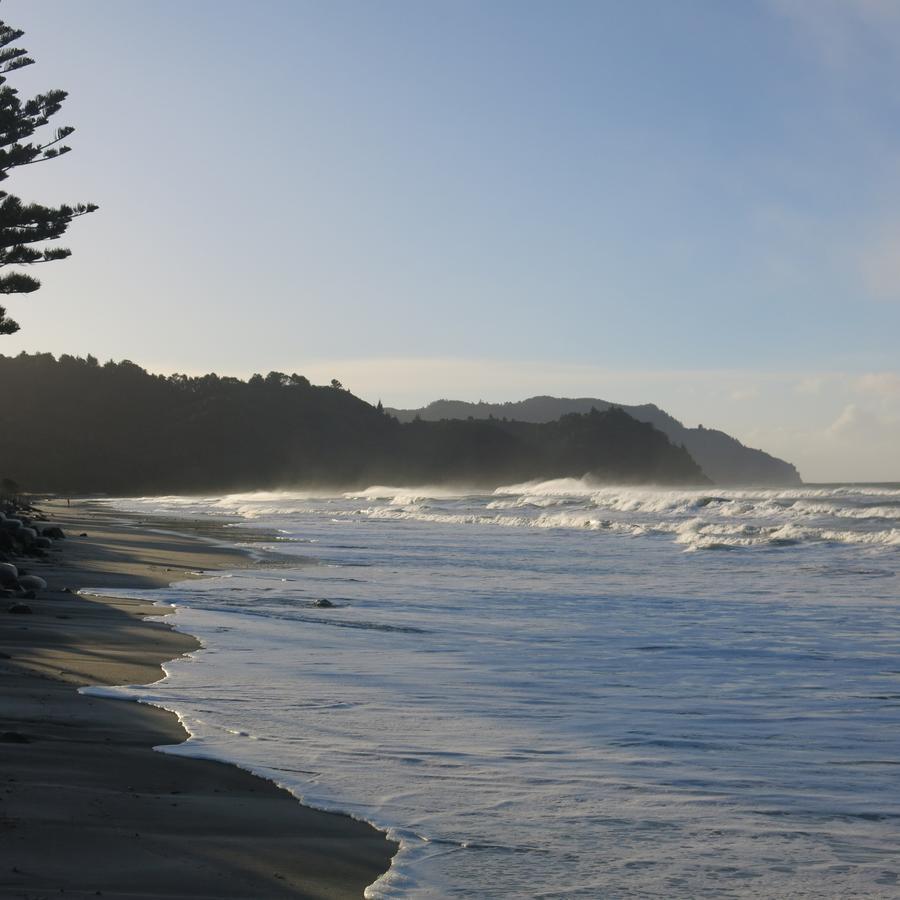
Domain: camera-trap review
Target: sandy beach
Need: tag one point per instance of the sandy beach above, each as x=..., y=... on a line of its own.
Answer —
x=87, y=807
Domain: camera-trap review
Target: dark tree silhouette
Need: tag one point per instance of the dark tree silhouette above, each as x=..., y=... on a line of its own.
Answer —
x=82, y=426
x=25, y=224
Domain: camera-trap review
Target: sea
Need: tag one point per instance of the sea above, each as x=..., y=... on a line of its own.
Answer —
x=562, y=689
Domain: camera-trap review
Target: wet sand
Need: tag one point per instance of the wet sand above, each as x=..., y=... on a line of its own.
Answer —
x=87, y=807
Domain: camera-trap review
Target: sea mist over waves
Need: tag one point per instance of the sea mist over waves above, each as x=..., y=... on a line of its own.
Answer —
x=565, y=689
x=697, y=519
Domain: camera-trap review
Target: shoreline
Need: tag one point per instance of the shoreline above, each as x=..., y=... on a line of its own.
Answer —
x=90, y=808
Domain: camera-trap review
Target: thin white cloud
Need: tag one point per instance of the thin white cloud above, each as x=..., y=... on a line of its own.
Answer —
x=854, y=423
x=884, y=384
x=880, y=264
x=810, y=386
x=842, y=32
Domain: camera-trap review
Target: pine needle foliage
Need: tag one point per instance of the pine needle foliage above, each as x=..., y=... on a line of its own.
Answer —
x=22, y=225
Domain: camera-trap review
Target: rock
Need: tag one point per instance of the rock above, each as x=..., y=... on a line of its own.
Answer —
x=32, y=583
x=53, y=531
x=9, y=575
x=20, y=609
x=83, y=534
x=323, y=604
x=43, y=543
x=29, y=595
x=14, y=737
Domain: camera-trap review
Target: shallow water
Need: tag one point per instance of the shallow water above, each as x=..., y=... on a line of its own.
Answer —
x=565, y=691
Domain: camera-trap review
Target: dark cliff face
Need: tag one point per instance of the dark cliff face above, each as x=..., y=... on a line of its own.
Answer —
x=75, y=426
x=722, y=458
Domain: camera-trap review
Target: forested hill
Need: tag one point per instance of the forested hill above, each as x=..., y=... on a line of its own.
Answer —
x=723, y=458
x=74, y=426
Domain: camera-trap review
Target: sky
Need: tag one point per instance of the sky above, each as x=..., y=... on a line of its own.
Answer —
x=695, y=204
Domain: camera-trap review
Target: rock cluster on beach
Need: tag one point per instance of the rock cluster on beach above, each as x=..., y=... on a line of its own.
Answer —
x=23, y=536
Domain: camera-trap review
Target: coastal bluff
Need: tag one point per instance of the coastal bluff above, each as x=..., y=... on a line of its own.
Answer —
x=723, y=458
x=82, y=427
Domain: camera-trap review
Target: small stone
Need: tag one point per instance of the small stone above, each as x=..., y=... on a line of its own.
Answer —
x=32, y=582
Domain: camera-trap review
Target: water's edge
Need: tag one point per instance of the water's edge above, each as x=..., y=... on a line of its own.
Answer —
x=169, y=618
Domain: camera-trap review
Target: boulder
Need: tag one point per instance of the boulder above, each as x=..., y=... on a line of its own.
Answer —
x=20, y=609
x=32, y=583
x=323, y=604
x=53, y=531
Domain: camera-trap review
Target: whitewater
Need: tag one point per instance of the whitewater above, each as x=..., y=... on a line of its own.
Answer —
x=564, y=690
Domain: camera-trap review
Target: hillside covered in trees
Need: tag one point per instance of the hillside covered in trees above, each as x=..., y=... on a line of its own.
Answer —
x=72, y=425
x=723, y=458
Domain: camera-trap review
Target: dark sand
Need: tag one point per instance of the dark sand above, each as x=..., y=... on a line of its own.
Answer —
x=87, y=807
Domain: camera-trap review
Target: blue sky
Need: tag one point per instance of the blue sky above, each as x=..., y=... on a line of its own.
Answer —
x=693, y=203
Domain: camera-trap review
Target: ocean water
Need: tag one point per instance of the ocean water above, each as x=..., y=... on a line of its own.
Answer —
x=560, y=690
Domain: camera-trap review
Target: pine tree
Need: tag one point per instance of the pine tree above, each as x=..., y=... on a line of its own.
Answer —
x=25, y=224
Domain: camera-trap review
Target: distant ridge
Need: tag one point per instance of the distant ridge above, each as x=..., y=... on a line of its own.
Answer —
x=723, y=458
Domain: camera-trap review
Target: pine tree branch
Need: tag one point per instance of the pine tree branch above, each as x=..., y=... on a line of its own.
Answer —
x=7, y=326
x=18, y=283
x=22, y=225
x=8, y=34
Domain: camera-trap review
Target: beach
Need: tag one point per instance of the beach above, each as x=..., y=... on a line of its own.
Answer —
x=87, y=807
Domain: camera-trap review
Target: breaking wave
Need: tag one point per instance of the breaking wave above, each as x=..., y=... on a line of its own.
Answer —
x=695, y=519
x=698, y=520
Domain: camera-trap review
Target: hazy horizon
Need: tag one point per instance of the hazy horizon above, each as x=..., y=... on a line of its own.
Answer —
x=691, y=206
